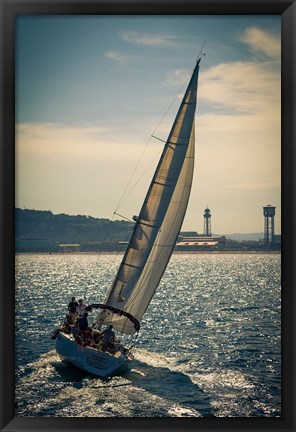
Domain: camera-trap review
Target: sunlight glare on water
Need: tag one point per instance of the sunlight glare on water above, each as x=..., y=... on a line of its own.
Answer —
x=209, y=343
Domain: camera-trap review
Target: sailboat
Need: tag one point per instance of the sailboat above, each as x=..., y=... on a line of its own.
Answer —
x=149, y=250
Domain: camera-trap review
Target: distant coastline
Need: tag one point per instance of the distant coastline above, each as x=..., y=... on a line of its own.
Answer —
x=220, y=252
x=39, y=231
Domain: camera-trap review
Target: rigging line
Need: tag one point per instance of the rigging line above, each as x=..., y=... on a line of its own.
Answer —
x=140, y=178
x=159, y=139
x=144, y=172
x=189, y=155
x=118, y=252
x=103, y=243
x=186, y=156
x=124, y=217
x=148, y=274
x=149, y=139
x=200, y=51
x=123, y=197
x=133, y=298
x=156, y=258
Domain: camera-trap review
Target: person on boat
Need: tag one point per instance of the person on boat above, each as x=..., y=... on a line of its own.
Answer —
x=108, y=339
x=82, y=322
x=67, y=324
x=84, y=336
x=72, y=308
x=80, y=308
x=96, y=338
x=108, y=334
x=65, y=327
x=54, y=334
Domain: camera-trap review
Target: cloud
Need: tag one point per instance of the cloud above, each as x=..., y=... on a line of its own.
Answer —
x=262, y=42
x=238, y=152
x=113, y=55
x=245, y=87
x=82, y=168
x=148, y=39
x=260, y=186
x=82, y=147
x=52, y=139
x=237, y=146
x=177, y=77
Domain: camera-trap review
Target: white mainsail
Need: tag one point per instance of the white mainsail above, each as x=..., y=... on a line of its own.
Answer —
x=160, y=219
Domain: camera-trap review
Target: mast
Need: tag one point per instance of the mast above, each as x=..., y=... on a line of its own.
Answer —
x=160, y=219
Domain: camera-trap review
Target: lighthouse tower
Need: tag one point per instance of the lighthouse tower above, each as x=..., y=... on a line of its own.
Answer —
x=207, y=223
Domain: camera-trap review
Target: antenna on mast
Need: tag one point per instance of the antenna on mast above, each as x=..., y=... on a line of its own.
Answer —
x=200, y=52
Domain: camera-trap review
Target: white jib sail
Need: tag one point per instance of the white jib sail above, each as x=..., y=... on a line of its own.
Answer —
x=160, y=219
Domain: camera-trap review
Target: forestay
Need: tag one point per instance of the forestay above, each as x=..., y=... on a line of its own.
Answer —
x=160, y=219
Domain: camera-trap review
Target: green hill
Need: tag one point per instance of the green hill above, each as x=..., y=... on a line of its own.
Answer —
x=43, y=231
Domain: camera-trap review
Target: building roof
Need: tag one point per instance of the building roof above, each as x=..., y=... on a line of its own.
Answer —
x=69, y=245
x=194, y=243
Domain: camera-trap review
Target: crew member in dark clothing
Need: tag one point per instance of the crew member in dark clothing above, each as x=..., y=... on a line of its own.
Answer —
x=108, y=335
x=67, y=324
x=108, y=340
x=72, y=307
x=82, y=322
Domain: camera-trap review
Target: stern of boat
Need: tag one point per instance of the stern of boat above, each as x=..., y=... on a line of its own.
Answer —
x=92, y=360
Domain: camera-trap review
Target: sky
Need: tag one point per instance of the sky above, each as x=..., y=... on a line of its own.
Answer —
x=91, y=90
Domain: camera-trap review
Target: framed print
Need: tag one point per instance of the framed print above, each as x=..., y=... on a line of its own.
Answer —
x=148, y=215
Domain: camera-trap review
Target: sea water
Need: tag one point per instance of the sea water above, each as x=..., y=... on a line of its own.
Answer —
x=210, y=342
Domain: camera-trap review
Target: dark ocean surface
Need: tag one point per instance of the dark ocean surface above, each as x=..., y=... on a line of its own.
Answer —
x=210, y=343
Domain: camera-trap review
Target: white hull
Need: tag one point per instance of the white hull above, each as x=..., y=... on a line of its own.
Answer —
x=89, y=359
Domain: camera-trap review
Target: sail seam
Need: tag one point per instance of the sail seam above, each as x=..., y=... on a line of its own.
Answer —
x=177, y=145
x=171, y=164
x=149, y=225
x=131, y=300
x=131, y=265
x=161, y=247
x=162, y=184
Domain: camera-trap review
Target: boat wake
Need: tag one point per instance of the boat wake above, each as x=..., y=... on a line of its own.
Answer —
x=154, y=386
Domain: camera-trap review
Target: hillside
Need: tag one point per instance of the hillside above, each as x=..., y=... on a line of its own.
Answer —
x=42, y=230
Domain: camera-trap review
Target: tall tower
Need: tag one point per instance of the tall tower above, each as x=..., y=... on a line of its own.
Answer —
x=269, y=212
x=207, y=223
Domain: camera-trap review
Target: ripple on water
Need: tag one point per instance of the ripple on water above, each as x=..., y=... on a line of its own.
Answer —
x=209, y=345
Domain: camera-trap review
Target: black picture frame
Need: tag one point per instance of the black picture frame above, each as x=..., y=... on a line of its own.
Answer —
x=9, y=10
